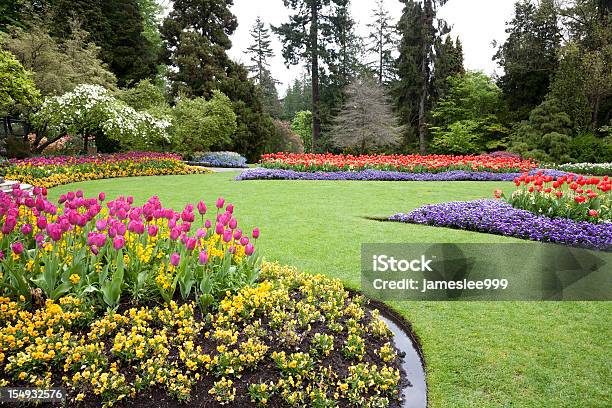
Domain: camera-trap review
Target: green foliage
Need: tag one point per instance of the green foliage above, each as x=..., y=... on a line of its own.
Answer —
x=457, y=138
x=448, y=62
x=196, y=33
x=382, y=42
x=589, y=148
x=269, y=95
x=17, y=89
x=546, y=136
x=58, y=67
x=471, y=104
x=529, y=55
x=298, y=98
x=198, y=124
x=144, y=96
x=260, y=49
x=116, y=26
x=302, y=125
x=10, y=14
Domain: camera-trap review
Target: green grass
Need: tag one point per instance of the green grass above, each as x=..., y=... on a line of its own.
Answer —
x=478, y=354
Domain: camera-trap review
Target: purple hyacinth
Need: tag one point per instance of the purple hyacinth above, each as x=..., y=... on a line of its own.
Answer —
x=500, y=218
x=261, y=173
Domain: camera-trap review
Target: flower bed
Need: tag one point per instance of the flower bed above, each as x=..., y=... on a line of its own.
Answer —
x=401, y=163
x=219, y=159
x=575, y=197
x=500, y=218
x=54, y=171
x=108, y=253
x=593, y=169
x=380, y=175
x=292, y=339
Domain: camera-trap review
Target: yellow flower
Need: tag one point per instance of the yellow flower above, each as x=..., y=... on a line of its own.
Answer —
x=74, y=278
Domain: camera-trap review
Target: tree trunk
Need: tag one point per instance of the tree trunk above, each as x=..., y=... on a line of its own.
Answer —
x=380, y=55
x=424, y=77
x=314, y=54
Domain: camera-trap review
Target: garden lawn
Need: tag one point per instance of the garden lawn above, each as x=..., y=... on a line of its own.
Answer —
x=478, y=354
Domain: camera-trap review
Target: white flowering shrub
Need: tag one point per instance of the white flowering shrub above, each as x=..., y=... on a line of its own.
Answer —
x=594, y=169
x=91, y=109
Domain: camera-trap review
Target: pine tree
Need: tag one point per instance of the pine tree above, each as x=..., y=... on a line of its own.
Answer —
x=529, y=55
x=448, y=61
x=406, y=90
x=269, y=95
x=382, y=41
x=298, y=98
x=260, y=49
x=305, y=38
x=197, y=33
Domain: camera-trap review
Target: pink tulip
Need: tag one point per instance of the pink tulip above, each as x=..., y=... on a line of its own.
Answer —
x=152, y=230
x=101, y=224
x=1, y=255
x=41, y=222
x=256, y=233
x=230, y=208
x=17, y=248
x=227, y=235
x=191, y=243
x=207, y=224
x=101, y=196
x=202, y=208
x=118, y=242
x=249, y=249
x=94, y=250
x=26, y=229
x=175, y=259
x=55, y=231
x=220, y=202
x=233, y=223
x=203, y=257
x=174, y=233
x=79, y=193
x=237, y=234
x=244, y=241
x=219, y=229
x=201, y=233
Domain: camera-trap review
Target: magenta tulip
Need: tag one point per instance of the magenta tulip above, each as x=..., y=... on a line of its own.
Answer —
x=118, y=242
x=233, y=223
x=26, y=229
x=256, y=233
x=101, y=196
x=249, y=249
x=152, y=230
x=17, y=248
x=230, y=208
x=220, y=202
x=175, y=259
x=202, y=208
x=244, y=241
x=227, y=235
x=203, y=257
x=207, y=224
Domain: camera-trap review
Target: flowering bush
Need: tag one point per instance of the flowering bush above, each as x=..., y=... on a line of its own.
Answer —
x=219, y=159
x=381, y=175
x=500, y=218
x=403, y=163
x=53, y=171
x=278, y=343
x=92, y=108
x=594, y=169
x=576, y=197
x=101, y=252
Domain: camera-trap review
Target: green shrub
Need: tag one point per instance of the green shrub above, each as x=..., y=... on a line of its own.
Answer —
x=458, y=138
x=589, y=148
x=198, y=124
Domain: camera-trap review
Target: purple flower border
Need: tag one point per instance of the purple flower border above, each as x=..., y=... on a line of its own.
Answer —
x=500, y=218
x=261, y=173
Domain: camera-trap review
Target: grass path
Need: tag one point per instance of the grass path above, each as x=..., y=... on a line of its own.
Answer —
x=478, y=354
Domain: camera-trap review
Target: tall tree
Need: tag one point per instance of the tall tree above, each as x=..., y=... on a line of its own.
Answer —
x=260, y=49
x=305, y=38
x=529, y=55
x=298, y=98
x=448, y=61
x=269, y=95
x=406, y=90
x=116, y=26
x=382, y=42
x=197, y=34
x=366, y=120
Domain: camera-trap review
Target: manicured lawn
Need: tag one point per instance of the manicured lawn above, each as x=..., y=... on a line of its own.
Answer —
x=478, y=354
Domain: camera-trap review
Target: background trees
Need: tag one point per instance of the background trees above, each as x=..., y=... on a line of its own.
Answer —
x=366, y=121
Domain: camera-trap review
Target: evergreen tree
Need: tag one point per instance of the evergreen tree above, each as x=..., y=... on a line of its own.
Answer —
x=382, y=41
x=305, y=38
x=406, y=90
x=298, y=98
x=269, y=95
x=260, y=49
x=529, y=55
x=448, y=61
x=10, y=14
x=196, y=34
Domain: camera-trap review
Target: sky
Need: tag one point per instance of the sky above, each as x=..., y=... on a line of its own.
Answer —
x=476, y=22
